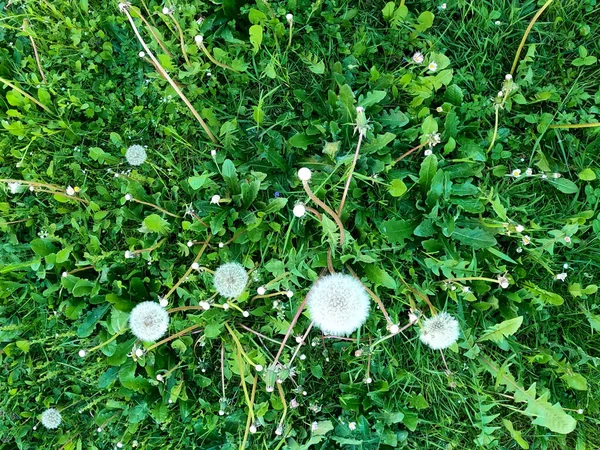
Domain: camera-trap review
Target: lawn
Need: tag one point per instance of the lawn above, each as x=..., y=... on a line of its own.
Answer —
x=294, y=225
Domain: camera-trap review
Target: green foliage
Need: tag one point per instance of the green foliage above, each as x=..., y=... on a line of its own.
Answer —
x=447, y=209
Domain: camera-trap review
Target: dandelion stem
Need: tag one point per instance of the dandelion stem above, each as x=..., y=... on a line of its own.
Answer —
x=576, y=125
x=187, y=272
x=495, y=130
x=223, y=370
x=25, y=94
x=259, y=334
x=149, y=249
x=301, y=343
x=389, y=336
x=250, y=413
x=290, y=36
x=290, y=328
x=156, y=207
x=533, y=21
x=445, y=363
x=181, y=39
x=283, y=402
x=412, y=150
x=151, y=30
x=315, y=212
x=108, y=341
x=212, y=59
x=327, y=209
x=341, y=208
x=35, y=52
x=449, y=280
x=372, y=294
x=239, y=345
x=164, y=73
x=175, y=336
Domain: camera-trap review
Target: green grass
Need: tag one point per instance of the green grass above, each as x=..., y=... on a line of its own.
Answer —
x=409, y=224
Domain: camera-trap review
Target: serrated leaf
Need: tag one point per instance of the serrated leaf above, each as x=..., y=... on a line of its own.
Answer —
x=323, y=427
x=475, y=237
x=516, y=435
x=563, y=185
x=197, y=182
x=275, y=205
x=575, y=381
x=393, y=118
x=154, y=224
x=501, y=330
x=380, y=277
x=256, y=37
x=397, y=230
x=91, y=319
x=543, y=295
x=372, y=98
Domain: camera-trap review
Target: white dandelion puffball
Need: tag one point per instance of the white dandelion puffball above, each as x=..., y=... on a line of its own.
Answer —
x=230, y=279
x=51, y=418
x=338, y=304
x=149, y=321
x=304, y=174
x=440, y=331
x=136, y=155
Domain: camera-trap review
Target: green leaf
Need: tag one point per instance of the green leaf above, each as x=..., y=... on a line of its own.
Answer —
x=91, y=319
x=393, y=118
x=197, y=182
x=323, y=427
x=256, y=37
x=154, y=224
x=372, y=98
x=83, y=288
x=475, y=237
x=302, y=140
x=388, y=11
x=379, y=143
x=501, y=330
x=425, y=21
x=544, y=296
x=380, y=277
x=454, y=95
x=575, y=381
x=230, y=176
x=516, y=435
x=563, y=185
x=397, y=230
x=429, y=125
x=397, y=188
x=63, y=255
x=42, y=247
x=587, y=175
x=249, y=193
x=275, y=205
x=427, y=172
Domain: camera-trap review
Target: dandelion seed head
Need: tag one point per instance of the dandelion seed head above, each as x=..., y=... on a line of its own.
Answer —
x=440, y=331
x=199, y=39
x=148, y=321
x=299, y=210
x=136, y=155
x=338, y=304
x=261, y=290
x=289, y=17
x=304, y=174
x=215, y=199
x=230, y=279
x=51, y=418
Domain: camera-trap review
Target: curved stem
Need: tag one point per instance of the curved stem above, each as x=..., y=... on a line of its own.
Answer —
x=187, y=272
x=495, y=130
x=25, y=94
x=533, y=21
x=181, y=40
x=327, y=209
x=412, y=150
x=372, y=294
x=290, y=328
x=175, y=336
x=341, y=207
x=577, y=125
x=212, y=59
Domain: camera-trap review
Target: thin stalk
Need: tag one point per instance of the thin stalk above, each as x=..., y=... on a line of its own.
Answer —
x=151, y=30
x=492, y=142
x=283, y=402
x=327, y=209
x=341, y=207
x=239, y=345
x=200, y=43
x=175, y=336
x=25, y=94
x=35, y=52
x=250, y=413
x=315, y=212
x=222, y=370
x=372, y=294
x=259, y=334
x=301, y=343
x=577, y=125
x=533, y=21
x=412, y=150
x=155, y=207
x=181, y=39
x=389, y=336
x=290, y=328
x=449, y=280
x=291, y=22
x=13, y=222
x=198, y=256
x=445, y=363
x=108, y=341
x=163, y=72
x=145, y=250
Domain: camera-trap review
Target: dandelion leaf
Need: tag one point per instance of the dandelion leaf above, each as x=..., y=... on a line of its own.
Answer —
x=501, y=330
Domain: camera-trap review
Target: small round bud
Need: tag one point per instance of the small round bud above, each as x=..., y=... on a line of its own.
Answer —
x=65, y=274
x=221, y=245
x=369, y=380
x=163, y=302
x=34, y=428
x=508, y=77
x=119, y=444
x=99, y=430
x=299, y=210
x=190, y=244
x=221, y=412
x=394, y=329
x=165, y=10
x=225, y=306
x=195, y=266
x=159, y=377
x=500, y=94
x=289, y=17
x=246, y=314
x=360, y=109
x=82, y=353
x=213, y=153
x=205, y=306
x=252, y=428
x=261, y=290
x=139, y=353
x=580, y=411
x=142, y=54
x=199, y=39
x=270, y=389
x=215, y=199
x=258, y=368
x=299, y=339
x=304, y=174
x=302, y=357
x=289, y=294
x=128, y=197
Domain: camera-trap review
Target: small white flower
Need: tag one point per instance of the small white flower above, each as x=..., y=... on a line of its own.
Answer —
x=136, y=155
x=215, y=199
x=142, y=54
x=221, y=245
x=526, y=240
x=368, y=380
x=190, y=243
x=516, y=173
x=16, y=188
x=556, y=175
x=225, y=306
x=163, y=302
x=508, y=77
x=289, y=294
x=466, y=289
x=195, y=266
x=304, y=174
x=205, y=306
x=289, y=17
x=314, y=426
x=412, y=318
x=99, y=430
x=159, y=377
x=352, y=425
x=443, y=6
x=221, y=412
x=245, y=314
x=500, y=94
x=394, y=329
x=82, y=353
x=565, y=266
x=70, y=190
x=119, y=444
x=31, y=188
x=520, y=228
x=561, y=276
x=139, y=352
x=128, y=197
x=213, y=153
x=252, y=429
x=279, y=430
x=199, y=39
x=428, y=152
x=439, y=109
x=302, y=357
x=503, y=281
x=166, y=10
x=299, y=210
x=544, y=176
x=148, y=321
x=432, y=66
x=51, y=418
x=580, y=411
x=258, y=368
x=418, y=57
x=440, y=331
x=568, y=239
x=294, y=403
x=65, y=274
x=519, y=250
x=129, y=255
x=261, y=290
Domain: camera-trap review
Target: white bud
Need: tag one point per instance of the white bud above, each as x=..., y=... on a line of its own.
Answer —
x=82, y=353
x=508, y=77
x=205, y=306
x=225, y=306
x=213, y=153
x=119, y=444
x=394, y=329
x=65, y=274
x=221, y=412
x=165, y=10
x=360, y=109
x=302, y=357
x=261, y=290
x=252, y=429
x=34, y=428
x=159, y=377
x=221, y=245
x=299, y=210
x=258, y=368
x=195, y=266
x=128, y=197
x=128, y=254
x=519, y=228
x=289, y=17
x=215, y=199
x=163, y=302
x=141, y=54
x=289, y=294
x=369, y=380
x=70, y=190
x=99, y=430
x=304, y=174
x=500, y=94
x=246, y=314
x=190, y=244
x=139, y=353
x=199, y=39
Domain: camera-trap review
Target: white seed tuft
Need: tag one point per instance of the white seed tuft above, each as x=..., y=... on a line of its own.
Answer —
x=304, y=174
x=136, y=155
x=149, y=321
x=440, y=331
x=230, y=279
x=51, y=418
